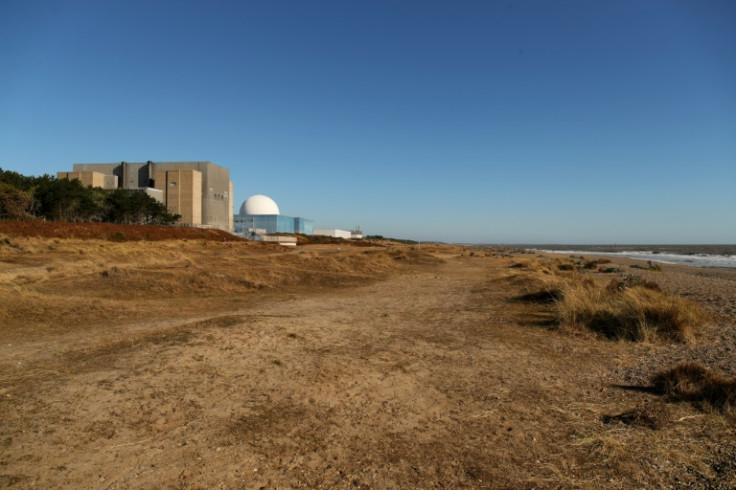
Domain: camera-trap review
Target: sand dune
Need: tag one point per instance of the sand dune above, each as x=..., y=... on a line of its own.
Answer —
x=199, y=364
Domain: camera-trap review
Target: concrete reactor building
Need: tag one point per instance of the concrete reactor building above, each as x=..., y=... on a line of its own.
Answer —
x=259, y=215
x=201, y=192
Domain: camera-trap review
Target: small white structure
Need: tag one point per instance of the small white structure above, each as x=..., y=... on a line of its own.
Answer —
x=335, y=233
x=287, y=241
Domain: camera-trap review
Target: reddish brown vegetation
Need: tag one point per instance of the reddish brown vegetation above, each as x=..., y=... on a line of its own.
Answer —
x=110, y=231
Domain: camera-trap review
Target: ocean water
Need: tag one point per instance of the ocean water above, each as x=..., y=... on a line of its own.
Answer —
x=694, y=259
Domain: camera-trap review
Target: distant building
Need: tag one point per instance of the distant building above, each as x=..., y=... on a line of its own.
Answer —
x=260, y=213
x=335, y=233
x=94, y=179
x=201, y=192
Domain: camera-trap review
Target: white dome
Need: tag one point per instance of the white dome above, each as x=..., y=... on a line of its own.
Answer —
x=259, y=204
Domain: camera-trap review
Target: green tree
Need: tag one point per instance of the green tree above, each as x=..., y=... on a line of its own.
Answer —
x=68, y=200
x=14, y=203
x=136, y=208
x=59, y=199
x=22, y=182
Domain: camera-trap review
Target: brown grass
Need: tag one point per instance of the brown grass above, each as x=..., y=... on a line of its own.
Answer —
x=653, y=416
x=637, y=313
x=692, y=382
x=110, y=231
x=40, y=274
x=240, y=366
x=626, y=308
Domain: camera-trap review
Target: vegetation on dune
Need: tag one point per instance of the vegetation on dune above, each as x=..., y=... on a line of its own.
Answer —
x=110, y=231
x=24, y=197
x=397, y=240
x=303, y=239
x=627, y=308
x=325, y=366
x=695, y=383
x=639, y=313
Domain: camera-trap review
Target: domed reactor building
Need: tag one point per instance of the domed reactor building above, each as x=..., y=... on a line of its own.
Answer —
x=259, y=215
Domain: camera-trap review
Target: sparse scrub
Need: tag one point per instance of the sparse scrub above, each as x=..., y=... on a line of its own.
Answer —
x=650, y=267
x=107, y=231
x=590, y=264
x=534, y=265
x=693, y=382
x=629, y=310
x=542, y=296
x=653, y=267
x=630, y=281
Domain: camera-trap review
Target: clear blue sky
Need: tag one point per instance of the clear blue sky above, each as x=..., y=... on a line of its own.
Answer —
x=467, y=121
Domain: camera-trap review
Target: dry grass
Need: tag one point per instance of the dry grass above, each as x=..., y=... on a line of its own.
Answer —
x=638, y=313
x=110, y=231
x=627, y=308
x=535, y=266
x=653, y=416
x=695, y=383
x=45, y=282
x=240, y=366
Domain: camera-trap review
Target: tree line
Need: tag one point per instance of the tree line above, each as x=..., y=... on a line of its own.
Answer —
x=28, y=197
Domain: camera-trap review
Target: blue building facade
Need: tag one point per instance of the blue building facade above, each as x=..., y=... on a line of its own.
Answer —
x=271, y=223
x=303, y=226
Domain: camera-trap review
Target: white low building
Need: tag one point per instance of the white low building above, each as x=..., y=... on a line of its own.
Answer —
x=335, y=233
x=285, y=240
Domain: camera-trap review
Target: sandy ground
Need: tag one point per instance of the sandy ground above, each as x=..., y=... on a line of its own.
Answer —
x=398, y=368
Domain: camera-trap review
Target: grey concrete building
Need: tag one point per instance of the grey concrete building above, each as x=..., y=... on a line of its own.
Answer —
x=199, y=191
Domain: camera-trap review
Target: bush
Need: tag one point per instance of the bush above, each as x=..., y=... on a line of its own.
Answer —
x=653, y=267
x=14, y=203
x=70, y=201
x=635, y=313
x=650, y=267
x=631, y=281
x=590, y=264
x=693, y=382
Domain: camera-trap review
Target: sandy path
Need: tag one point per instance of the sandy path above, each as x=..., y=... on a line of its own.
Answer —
x=427, y=379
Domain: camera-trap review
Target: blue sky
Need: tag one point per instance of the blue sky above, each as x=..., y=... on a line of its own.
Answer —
x=466, y=121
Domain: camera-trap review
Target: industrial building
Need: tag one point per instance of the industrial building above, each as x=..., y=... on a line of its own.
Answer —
x=333, y=232
x=259, y=215
x=201, y=192
x=355, y=234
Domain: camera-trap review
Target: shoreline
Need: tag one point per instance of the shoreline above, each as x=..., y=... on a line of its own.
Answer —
x=711, y=287
x=699, y=260
x=680, y=249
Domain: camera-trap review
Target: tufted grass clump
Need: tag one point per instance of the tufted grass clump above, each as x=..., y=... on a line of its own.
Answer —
x=693, y=382
x=630, y=310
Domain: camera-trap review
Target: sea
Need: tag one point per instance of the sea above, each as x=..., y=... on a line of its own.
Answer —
x=721, y=256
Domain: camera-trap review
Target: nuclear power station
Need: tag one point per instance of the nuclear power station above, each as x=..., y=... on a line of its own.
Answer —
x=201, y=192
x=259, y=215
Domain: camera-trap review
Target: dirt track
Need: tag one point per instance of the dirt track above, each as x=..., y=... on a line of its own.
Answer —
x=432, y=376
